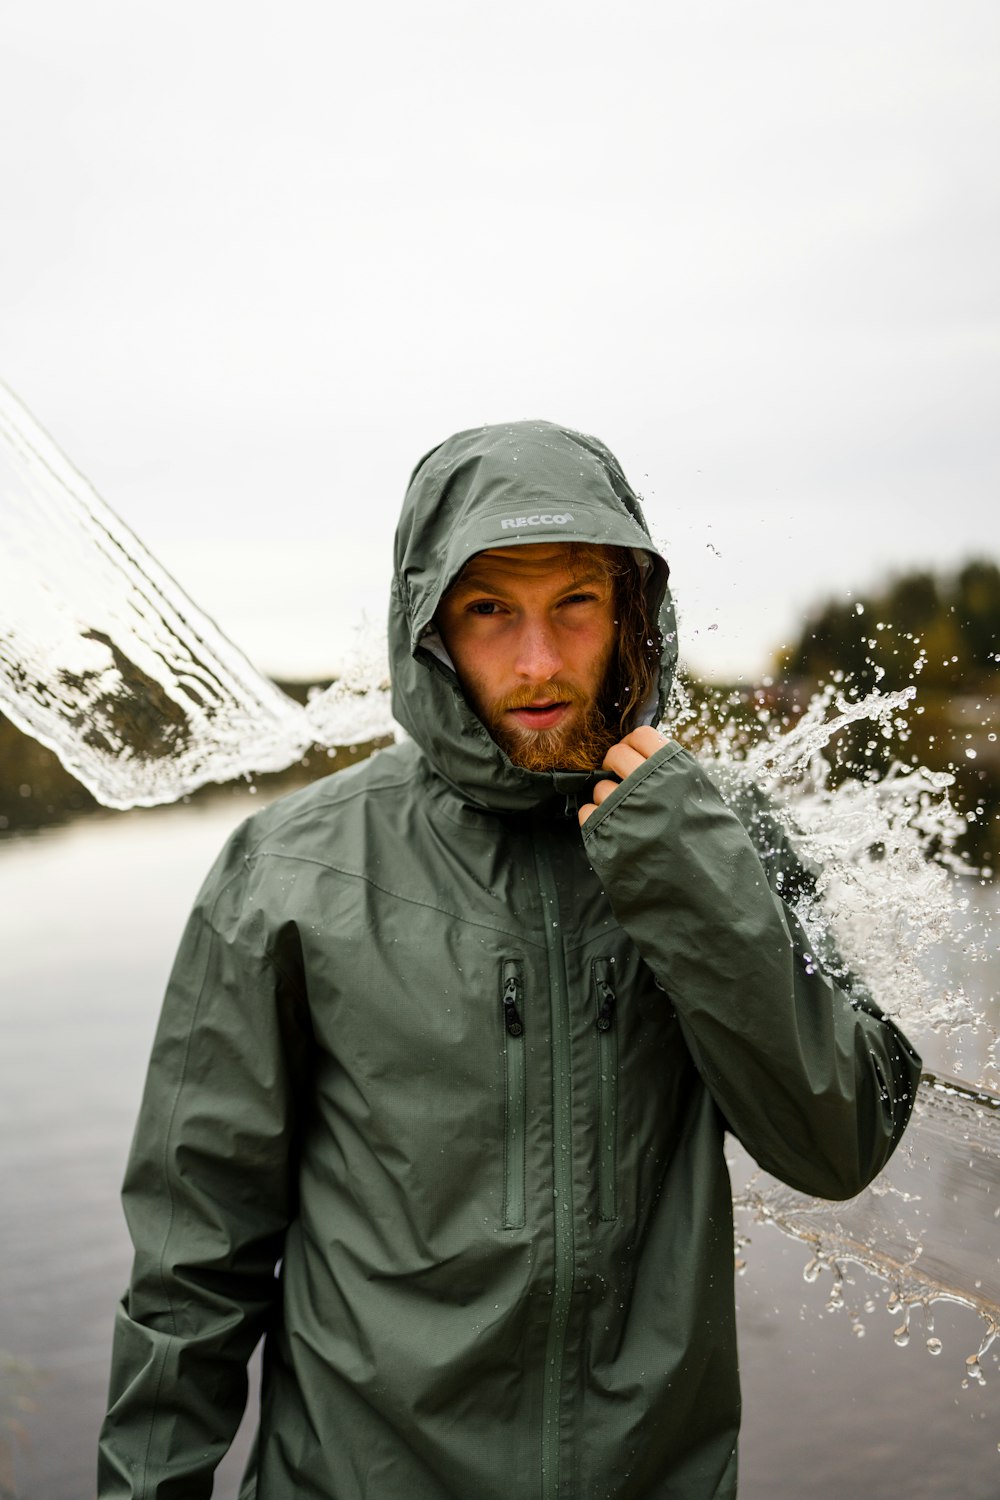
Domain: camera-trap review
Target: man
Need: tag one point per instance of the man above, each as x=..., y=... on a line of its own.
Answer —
x=454, y=1037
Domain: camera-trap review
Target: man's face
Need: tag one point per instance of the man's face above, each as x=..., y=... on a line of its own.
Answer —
x=531, y=632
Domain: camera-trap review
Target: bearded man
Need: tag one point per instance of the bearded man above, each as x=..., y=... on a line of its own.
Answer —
x=438, y=1095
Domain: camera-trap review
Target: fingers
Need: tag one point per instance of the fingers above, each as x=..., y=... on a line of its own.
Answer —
x=621, y=760
x=629, y=753
x=604, y=789
x=601, y=790
x=646, y=740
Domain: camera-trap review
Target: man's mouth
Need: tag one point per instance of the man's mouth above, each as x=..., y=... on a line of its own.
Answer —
x=540, y=715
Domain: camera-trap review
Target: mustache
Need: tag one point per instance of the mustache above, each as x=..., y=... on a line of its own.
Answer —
x=552, y=692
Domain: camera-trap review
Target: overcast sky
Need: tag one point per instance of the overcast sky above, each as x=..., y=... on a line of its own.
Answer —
x=256, y=260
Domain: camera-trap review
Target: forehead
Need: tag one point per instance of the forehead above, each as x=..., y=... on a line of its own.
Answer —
x=534, y=562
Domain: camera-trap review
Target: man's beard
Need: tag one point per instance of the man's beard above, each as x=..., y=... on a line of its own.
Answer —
x=579, y=745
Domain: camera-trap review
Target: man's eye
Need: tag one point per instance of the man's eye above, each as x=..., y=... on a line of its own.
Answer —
x=483, y=607
x=579, y=598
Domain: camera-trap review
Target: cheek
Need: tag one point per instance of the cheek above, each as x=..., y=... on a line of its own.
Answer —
x=592, y=648
x=477, y=674
x=460, y=642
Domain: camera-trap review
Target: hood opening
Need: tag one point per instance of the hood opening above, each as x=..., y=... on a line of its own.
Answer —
x=431, y=642
x=494, y=487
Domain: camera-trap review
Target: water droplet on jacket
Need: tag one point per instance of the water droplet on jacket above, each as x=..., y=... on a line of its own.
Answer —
x=934, y=1346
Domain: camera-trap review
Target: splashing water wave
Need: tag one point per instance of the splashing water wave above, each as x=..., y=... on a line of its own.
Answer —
x=104, y=659
x=880, y=910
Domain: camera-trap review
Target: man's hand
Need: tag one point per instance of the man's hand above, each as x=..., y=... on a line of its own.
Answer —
x=621, y=760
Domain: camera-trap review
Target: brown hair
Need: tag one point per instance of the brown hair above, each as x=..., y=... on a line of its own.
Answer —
x=635, y=665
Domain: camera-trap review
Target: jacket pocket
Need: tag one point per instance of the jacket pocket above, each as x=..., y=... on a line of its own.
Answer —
x=512, y=1001
x=607, y=1087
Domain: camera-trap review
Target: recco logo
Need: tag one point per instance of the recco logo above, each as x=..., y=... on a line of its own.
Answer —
x=511, y=522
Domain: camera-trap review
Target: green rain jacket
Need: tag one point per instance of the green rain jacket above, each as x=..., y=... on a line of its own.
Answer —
x=438, y=1094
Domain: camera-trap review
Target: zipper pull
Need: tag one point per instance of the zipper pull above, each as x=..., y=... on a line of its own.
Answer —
x=608, y=999
x=511, y=1014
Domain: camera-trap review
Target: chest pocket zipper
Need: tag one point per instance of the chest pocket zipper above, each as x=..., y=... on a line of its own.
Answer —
x=607, y=1083
x=512, y=1000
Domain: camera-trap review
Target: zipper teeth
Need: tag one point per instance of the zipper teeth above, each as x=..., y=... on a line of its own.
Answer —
x=607, y=1065
x=514, y=1104
x=562, y=1143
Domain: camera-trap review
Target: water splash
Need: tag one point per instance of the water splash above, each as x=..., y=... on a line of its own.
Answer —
x=104, y=658
x=884, y=914
x=875, y=905
x=927, y=1227
x=879, y=901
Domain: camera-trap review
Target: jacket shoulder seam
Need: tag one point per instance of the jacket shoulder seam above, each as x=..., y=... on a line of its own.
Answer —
x=386, y=890
x=335, y=799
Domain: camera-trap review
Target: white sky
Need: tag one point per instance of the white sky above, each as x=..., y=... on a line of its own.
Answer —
x=256, y=260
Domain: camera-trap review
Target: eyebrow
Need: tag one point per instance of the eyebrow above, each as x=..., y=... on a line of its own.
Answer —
x=472, y=583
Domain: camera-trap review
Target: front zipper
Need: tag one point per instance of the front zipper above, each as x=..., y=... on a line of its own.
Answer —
x=564, y=1250
x=512, y=1000
x=607, y=1077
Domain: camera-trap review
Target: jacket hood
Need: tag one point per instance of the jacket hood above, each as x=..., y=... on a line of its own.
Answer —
x=495, y=487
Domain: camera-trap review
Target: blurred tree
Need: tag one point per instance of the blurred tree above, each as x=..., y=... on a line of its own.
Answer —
x=977, y=610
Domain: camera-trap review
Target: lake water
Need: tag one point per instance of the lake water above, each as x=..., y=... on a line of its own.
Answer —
x=91, y=915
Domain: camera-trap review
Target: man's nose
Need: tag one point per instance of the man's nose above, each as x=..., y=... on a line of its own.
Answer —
x=538, y=655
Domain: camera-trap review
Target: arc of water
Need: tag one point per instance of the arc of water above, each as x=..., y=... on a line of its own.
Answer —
x=787, y=752
x=105, y=659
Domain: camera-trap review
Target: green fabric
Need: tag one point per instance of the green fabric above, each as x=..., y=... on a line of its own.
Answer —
x=467, y=1073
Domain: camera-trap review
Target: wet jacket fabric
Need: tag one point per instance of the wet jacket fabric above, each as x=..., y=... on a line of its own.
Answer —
x=438, y=1095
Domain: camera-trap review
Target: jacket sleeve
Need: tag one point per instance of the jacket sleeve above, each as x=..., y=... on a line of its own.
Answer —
x=209, y=1192
x=813, y=1079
